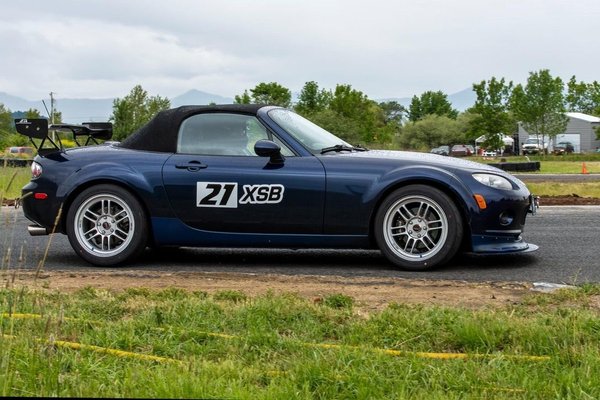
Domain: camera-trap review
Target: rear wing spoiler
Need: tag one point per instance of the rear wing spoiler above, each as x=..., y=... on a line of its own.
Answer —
x=38, y=128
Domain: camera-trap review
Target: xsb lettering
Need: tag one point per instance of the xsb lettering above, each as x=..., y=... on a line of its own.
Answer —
x=262, y=194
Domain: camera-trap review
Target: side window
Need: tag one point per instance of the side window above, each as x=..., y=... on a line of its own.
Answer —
x=220, y=134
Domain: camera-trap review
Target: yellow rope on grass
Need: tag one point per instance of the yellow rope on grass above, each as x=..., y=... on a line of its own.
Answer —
x=391, y=352
x=421, y=354
x=114, y=352
x=103, y=350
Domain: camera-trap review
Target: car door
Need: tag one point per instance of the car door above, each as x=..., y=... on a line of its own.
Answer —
x=215, y=181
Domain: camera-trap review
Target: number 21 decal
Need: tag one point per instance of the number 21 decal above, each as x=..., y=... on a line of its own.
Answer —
x=217, y=194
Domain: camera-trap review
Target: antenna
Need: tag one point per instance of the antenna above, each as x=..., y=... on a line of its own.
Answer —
x=47, y=112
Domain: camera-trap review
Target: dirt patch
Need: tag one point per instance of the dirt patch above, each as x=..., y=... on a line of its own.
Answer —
x=570, y=200
x=370, y=293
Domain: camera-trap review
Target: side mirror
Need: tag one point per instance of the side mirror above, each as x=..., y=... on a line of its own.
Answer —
x=268, y=148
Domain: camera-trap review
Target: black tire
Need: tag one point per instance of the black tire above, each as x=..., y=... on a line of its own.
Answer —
x=107, y=226
x=418, y=227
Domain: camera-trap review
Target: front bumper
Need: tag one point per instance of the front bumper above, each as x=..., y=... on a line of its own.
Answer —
x=498, y=228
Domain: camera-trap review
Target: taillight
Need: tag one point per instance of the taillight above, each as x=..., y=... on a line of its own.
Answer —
x=36, y=170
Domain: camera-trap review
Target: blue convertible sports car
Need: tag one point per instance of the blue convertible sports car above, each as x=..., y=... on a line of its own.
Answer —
x=262, y=176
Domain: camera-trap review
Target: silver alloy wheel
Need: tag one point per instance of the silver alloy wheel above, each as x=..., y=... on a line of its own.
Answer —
x=415, y=228
x=104, y=225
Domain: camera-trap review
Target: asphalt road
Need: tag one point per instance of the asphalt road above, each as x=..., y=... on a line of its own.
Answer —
x=568, y=236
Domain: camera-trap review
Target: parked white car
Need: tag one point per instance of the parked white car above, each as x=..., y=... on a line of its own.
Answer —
x=533, y=146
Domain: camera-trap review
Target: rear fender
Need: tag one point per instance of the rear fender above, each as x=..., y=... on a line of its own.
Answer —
x=145, y=185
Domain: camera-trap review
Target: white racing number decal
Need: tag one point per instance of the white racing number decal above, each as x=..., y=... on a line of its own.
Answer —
x=216, y=194
x=225, y=194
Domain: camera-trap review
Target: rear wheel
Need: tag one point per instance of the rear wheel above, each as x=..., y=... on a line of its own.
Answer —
x=106, y=225
x=418, y=227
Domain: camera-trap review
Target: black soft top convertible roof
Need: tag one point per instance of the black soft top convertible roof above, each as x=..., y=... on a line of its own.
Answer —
x=160, y=134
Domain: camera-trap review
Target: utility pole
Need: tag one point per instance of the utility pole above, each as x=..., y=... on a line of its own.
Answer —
x=52, y=114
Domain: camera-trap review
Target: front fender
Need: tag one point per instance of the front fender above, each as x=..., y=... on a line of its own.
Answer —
x=440, y=178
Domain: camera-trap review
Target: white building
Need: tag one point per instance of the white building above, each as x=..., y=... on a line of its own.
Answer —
x=580, y=132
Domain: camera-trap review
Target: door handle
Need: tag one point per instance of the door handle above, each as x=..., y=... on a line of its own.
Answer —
x=191, y=166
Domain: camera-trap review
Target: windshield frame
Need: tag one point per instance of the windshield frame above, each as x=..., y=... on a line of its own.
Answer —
x=308, y=134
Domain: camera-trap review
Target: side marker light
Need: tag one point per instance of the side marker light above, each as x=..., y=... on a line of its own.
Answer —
x=480, y=201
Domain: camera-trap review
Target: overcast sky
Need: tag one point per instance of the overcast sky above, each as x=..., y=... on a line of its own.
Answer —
x=98, y=49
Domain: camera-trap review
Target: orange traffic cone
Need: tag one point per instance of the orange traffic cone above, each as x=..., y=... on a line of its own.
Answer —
x=584, y=169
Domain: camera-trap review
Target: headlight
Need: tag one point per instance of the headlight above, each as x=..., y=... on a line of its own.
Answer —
x=494, y=181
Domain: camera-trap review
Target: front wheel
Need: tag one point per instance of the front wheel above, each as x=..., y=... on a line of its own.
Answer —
x=106, y=225
x=418, y=227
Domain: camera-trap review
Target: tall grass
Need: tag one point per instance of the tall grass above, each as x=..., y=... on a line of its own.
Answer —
x=265, y=350
x=12, y=180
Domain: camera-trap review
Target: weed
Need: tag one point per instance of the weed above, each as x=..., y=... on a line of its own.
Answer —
x=233, y=296
x=339, y=301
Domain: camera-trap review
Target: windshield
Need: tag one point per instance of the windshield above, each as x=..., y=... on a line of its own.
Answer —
x=312, y=136
x=531, y=141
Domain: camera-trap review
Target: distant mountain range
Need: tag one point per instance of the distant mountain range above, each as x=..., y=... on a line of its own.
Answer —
x=89, y=110
x=95, y=110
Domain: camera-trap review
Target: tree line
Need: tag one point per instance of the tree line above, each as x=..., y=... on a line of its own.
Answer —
x=428, y=121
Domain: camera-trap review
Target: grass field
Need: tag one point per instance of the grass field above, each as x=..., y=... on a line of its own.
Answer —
x=282, y=346
x=585, y=189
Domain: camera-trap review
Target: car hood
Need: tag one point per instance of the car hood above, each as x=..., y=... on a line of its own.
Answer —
x=422, y=159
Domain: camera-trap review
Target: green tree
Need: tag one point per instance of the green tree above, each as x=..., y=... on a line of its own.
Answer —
x=244, y=98
x=57, y=117
x=431, y=131
x=32, y=113
x=312, y=99
x=539, y=105
x=6, y=121
x=349, y=114
x=430, y=103
x=368, y=117
x=393, y=111
x=134, y=110
x=267, y=93
x=349, y=102
x=583, y=97
x=491, y=117
x=346, y=128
